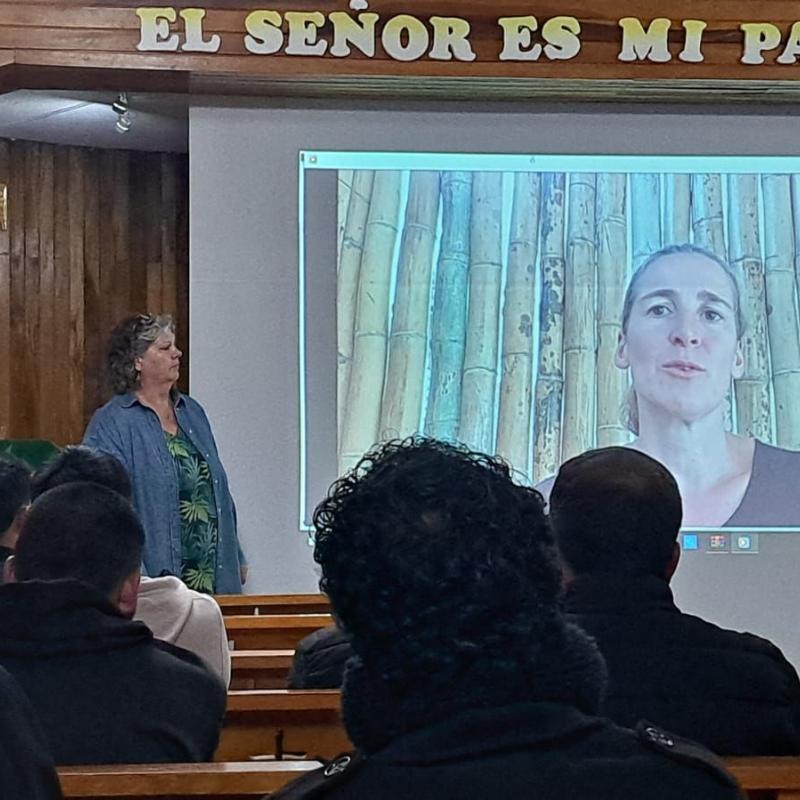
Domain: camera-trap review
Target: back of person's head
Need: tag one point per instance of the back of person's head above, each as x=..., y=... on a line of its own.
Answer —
x=79, y=463
x=432, y=557
x=15, y=491
x=615, y=510
x=82, y=531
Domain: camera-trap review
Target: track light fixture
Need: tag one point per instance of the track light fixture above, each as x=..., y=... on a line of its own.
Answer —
x=121, y=109
x=123, y=123
x=120, y=105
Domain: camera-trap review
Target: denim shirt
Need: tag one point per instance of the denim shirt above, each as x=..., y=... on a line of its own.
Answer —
x=132, y=433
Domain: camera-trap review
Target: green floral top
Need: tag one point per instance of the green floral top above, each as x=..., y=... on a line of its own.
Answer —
x=198, y=514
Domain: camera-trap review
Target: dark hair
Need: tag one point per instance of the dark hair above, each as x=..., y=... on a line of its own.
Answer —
x=79, y=463
x=82, y=531
x=431, y=555
x=615, y=510
x=630, y=406
x=15, y=490
x=129, y=341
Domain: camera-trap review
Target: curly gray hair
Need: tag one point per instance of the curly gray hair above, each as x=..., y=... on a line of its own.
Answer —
x=130, y=340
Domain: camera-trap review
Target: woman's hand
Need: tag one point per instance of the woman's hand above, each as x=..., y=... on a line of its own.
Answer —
x=243, y=570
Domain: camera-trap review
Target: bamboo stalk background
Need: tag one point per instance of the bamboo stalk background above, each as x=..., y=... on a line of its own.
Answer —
x=479, y=374
x=345, y=184
x=512, y=350
x=550, y=370
x=612, y=262
x=449, y=319
x=514, y=440
x=408, y=343
x=707, y=218
x=347, y=280
x=782, y=319
x=677, y=212
x=752, y=389
x=365, y=388
x=645, y=216
x=579, y=318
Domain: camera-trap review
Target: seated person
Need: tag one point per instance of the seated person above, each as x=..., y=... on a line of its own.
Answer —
x=104, y=689
x=319, y=660
x=466, y=681
x=615, y=514
x=27, y=771
x=173, y=611
x=15, y=494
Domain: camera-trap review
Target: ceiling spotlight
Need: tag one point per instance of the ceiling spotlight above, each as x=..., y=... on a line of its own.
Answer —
x=124, y=123
x=120, y=105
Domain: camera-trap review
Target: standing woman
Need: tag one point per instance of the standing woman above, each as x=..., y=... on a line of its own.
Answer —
x=164, y=440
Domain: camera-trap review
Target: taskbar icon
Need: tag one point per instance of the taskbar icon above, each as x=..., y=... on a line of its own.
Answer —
x=720, y=542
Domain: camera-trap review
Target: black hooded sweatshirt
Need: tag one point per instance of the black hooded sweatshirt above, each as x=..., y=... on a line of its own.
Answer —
x=105, y=691
x=26, y=768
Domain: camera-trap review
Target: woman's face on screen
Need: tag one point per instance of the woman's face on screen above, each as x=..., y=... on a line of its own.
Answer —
x=680, y=341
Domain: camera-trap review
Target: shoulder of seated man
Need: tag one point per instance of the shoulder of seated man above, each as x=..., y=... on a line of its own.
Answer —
x=189, y=660
x=318, y=782
x=684, y=751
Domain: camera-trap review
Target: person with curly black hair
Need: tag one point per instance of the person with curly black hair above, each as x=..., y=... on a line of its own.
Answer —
x=466, y=681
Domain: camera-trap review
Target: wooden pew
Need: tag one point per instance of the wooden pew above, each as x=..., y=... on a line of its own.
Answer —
x=260, y=669
x=274, y=632
x=761, y=778
x=265, y=604
x=173, y=781
x=280, y=721
x=767, y=778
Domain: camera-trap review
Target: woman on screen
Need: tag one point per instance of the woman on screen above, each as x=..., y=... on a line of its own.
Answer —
x=681, y=340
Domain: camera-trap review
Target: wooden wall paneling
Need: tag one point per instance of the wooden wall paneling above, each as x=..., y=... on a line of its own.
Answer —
x=5, y=303
x=138, y=233
x=47, y=355
x=153, y=229
x=108, y=306
x=93, y=236
x=182, y=264
x=30, y=419
x=63, y=330
x=120, y=219
x=76, y=352
x=168, y=177
x=16, y=229
x=95, y=335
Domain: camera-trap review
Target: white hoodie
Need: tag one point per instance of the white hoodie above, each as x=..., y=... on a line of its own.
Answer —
x=189, y=619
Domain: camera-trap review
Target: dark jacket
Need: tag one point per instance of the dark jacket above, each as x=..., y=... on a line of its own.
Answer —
x=734, y=692
x=26, y=767
x=515, y=722
x=526, y=751
x=105, y=691
x=319, y=660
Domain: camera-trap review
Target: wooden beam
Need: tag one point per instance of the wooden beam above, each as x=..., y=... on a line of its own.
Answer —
x=59, y=44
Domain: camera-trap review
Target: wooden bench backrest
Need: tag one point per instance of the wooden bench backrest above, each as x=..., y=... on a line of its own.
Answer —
x=274, y=632
x=220, y=781
x=279, y=721
x=762, y=778
x=260, y=669
x=267, y=604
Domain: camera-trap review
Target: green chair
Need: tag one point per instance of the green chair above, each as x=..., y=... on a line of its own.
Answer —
x=34, y=452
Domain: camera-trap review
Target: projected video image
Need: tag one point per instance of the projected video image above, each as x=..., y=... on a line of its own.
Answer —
x=538, y=314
